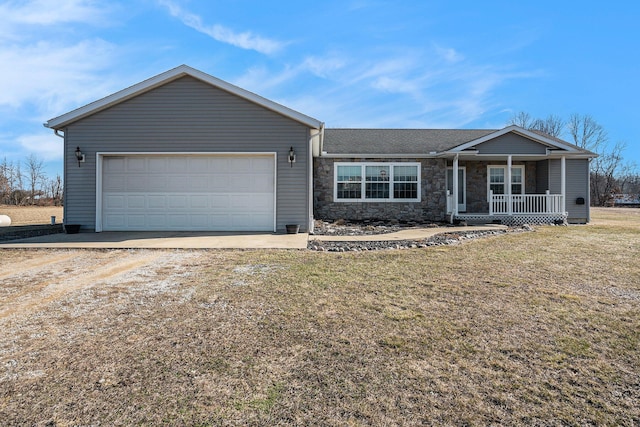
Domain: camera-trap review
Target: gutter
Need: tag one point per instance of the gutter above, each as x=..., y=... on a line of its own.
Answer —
x=319, y=134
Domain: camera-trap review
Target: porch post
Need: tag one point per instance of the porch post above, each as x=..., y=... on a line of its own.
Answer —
x=563, y=184
x=507, y=185
x=454, y=184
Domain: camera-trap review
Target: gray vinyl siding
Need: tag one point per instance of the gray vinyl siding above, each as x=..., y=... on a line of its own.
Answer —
x=511, y=144
x=542, y=176
x=577, y=185
x=187, y=115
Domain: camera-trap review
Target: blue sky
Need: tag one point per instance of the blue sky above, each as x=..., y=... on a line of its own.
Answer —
x=349, y=63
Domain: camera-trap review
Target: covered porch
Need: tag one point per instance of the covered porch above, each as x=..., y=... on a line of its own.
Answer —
x=508, y=189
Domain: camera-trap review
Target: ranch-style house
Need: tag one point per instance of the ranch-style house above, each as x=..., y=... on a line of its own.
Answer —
x=186, y=151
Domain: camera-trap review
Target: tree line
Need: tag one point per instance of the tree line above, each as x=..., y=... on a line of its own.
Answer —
x=610, y=173
x=26, y=183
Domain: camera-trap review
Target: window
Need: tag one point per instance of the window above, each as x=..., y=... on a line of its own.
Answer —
x=377, y=182
x=349, y=182
x=497, y=176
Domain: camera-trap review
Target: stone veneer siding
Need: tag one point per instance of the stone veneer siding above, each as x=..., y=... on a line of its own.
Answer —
x=431, y=208
x=477, y=182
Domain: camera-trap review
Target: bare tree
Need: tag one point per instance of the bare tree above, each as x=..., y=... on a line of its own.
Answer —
x=55, y=190
x=587, y=133
x=5, y=187
x=522, y=119
x=35, y=174
x=552, y=125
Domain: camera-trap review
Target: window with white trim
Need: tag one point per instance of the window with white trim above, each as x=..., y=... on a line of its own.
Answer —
x=376, y=182
x=497, y=175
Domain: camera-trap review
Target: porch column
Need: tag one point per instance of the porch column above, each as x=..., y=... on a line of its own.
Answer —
x=563, y=184
x=454, y=184
x=507, y=186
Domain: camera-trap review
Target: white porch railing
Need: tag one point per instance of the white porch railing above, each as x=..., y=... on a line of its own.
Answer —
x=517, y=204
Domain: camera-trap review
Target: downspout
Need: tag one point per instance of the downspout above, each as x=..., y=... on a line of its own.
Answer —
x=64, y=171
x=320, y=135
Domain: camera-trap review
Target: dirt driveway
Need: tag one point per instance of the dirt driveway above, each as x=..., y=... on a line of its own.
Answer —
x=30, y=281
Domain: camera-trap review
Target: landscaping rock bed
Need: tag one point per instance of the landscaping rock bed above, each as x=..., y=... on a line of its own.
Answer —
x=446, y=238
x=364, y=228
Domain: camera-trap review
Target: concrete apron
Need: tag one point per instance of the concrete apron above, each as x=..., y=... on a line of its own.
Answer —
x=162, y=240
x=217, y=240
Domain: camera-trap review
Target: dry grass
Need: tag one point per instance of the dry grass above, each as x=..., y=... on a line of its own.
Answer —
x=30, y=215
x=524, y=329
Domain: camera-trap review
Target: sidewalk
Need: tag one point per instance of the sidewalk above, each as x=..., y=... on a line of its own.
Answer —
x=408, y=234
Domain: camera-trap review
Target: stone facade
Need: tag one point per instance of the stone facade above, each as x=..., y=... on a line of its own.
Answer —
x=431, y=208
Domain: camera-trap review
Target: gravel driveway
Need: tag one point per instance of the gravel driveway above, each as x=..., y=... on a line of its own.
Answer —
x=32, y=281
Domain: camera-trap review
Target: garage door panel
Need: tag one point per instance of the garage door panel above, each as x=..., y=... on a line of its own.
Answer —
x=219, y=182
x=114, y=183
x=157, y=221
x=199, y=183
x=114, y=221
x=178, y=220
x=176, y=201
x=136, y=164
x=113, y=164
x=262, y=184
x=136, y=221
x=136, y=182
x=156, y=183
x=177, y=164
x=157, y=201
x=199, y=221
x=114, y=201
x=199, y=165
x=177, y=183
x=186, y=192
x=220, y=202
x=157, y=165
x=199, y=201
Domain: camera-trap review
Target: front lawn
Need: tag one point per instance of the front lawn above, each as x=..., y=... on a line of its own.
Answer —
x=537, y=328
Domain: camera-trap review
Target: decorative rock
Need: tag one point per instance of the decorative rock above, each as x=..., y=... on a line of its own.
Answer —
x=447, y=238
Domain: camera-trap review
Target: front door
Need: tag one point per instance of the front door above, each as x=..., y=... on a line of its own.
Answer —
x=462, y=187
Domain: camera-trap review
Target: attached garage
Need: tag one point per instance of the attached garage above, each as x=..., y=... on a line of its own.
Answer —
x=187, y=192
x=185, y=151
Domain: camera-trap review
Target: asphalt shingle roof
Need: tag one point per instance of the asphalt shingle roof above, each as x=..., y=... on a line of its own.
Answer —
x=397, y=141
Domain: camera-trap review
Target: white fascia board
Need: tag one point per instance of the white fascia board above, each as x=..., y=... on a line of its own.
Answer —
x=379, y=156
x=517, y=129
x=166, y=77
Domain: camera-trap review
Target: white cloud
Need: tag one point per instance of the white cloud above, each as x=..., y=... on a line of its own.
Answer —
x=51, y=76
x=45, y=145
x=18, y=14
x=245, y=40
x=324, y=66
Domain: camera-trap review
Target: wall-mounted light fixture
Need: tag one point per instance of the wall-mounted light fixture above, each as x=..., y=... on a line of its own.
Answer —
x=79, y=156
x=292, y=156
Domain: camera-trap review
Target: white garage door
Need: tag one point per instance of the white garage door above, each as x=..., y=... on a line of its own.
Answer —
x=182, y=192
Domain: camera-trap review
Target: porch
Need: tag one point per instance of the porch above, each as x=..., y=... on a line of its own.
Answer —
x=514, y=209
